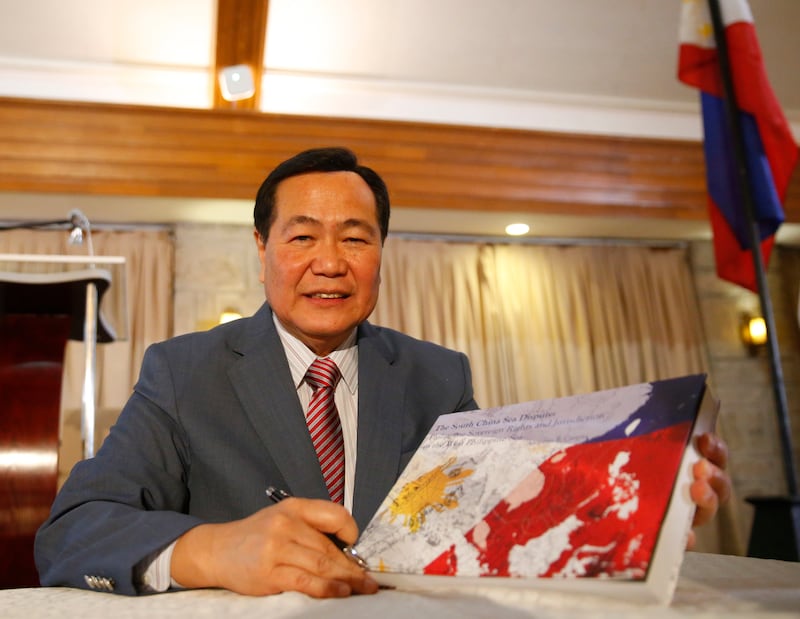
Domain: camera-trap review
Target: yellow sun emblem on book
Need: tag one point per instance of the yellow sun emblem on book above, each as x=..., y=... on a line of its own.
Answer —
x=432, y=490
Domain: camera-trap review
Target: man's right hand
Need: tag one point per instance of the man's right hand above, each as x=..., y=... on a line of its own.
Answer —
x=279, y=548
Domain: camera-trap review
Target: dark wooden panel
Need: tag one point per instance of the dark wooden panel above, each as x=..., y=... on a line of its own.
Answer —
x=147, y=151
x=31, y=359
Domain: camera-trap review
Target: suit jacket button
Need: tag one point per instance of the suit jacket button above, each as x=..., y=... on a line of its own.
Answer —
x=99, y=583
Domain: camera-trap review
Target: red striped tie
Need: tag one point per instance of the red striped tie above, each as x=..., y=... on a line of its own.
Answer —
x=324, y=425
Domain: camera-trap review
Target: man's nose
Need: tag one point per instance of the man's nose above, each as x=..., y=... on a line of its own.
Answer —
x=329, y=260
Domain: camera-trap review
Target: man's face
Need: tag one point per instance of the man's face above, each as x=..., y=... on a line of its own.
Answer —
x=320, y=264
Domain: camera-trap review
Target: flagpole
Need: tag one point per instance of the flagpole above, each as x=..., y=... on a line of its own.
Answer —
x=745, y=186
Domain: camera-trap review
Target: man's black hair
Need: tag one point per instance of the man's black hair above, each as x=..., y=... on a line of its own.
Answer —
x=332, y=159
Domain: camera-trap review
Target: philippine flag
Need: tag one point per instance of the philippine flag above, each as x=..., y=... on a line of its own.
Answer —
x=771, y=152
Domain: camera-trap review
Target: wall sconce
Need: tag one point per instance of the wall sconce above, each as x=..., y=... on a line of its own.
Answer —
x=753, y=332
x=225, y=315
x=228, y=315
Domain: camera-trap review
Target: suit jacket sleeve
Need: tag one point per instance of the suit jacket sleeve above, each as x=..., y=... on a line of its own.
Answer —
x=214, y=419
x=128, y=501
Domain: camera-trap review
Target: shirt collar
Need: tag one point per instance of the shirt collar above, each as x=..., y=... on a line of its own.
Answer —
x=300, y=356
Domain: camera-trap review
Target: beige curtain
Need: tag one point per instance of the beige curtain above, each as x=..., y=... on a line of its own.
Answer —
x=541, y=321
x=148, y=302
x=546, y=321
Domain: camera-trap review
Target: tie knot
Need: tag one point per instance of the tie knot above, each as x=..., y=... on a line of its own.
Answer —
x=323, y=373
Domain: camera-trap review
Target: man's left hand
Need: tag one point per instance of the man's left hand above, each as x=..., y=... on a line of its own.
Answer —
x=712, y=485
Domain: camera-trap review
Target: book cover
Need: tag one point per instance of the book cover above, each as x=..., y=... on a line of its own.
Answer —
x=583, y=493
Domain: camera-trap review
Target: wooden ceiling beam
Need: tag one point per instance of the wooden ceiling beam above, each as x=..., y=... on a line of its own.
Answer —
x=240, y=39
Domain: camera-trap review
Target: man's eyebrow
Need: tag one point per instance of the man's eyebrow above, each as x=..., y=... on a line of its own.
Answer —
x=353, y=222
x=302, y=219
x=357, y=223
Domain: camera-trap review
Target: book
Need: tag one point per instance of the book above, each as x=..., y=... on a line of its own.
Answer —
x=587, y=493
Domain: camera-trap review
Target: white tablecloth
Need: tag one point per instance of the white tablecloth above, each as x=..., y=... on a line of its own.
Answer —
x=710, y=586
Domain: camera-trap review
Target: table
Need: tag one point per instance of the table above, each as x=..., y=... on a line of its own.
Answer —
x=710, y=586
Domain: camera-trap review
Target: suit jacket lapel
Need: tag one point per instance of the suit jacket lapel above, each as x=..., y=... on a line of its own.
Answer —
x=263, y=383
x=380, y=428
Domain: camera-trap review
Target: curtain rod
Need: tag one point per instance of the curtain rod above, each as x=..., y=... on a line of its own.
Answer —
x=529, y=240
x=63, y=225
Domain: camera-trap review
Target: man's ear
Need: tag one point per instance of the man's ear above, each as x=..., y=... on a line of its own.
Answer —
x=261, y=246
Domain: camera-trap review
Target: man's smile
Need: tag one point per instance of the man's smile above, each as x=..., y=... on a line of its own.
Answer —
x=328, y=295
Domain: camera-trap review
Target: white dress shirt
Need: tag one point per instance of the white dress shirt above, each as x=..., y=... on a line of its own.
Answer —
x=345, y=396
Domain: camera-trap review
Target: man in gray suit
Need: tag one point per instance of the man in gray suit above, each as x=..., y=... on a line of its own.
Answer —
x=175, y=497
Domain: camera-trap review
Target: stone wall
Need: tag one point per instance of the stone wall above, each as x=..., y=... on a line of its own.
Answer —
x=743, y=381
x=216, y=268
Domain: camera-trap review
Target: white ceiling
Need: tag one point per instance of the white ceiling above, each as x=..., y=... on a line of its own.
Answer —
x=589, y=66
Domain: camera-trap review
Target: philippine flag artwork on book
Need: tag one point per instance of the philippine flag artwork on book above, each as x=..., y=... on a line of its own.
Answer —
x=770, y=151
x=588, y=493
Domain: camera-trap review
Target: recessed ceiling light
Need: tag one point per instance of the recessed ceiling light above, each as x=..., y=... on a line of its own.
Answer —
x=517, y=229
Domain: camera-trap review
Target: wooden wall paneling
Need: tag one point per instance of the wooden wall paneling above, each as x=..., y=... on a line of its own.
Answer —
x=147, y=151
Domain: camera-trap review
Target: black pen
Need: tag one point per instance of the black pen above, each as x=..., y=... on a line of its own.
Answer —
x=276, y=495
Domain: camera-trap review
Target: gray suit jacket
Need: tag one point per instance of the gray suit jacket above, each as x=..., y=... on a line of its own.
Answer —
x=214, y=419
